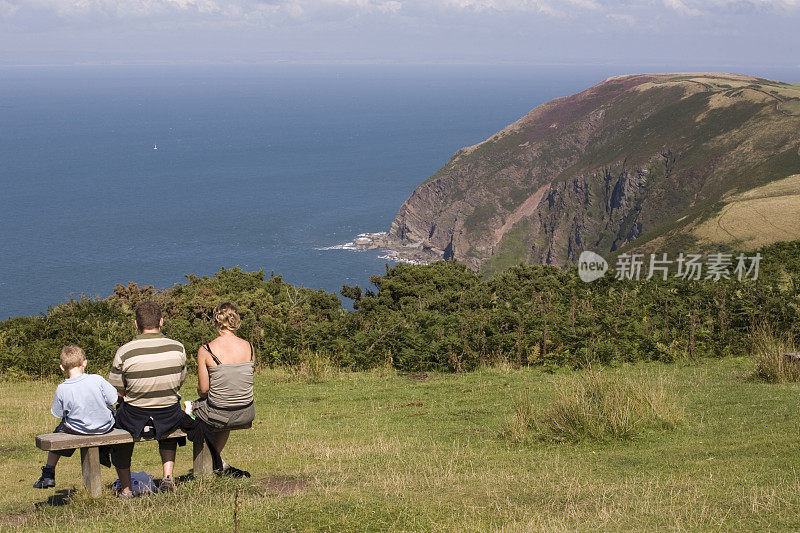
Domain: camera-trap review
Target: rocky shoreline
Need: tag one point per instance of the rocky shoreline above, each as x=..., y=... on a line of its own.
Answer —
x=393, y=248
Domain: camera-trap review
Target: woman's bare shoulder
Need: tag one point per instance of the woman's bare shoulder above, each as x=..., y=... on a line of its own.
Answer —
x=230, y=349
x=242, y=349
x=202, y=355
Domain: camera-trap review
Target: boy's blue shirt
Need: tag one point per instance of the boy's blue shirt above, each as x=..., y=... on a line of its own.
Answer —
x=84, y=403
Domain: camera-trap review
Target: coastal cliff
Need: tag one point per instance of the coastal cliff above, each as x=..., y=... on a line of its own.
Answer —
x=633, y=162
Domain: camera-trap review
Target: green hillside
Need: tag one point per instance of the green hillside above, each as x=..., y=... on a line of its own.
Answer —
x=633, y=163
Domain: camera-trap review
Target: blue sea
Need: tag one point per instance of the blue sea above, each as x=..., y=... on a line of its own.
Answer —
x=259, y=167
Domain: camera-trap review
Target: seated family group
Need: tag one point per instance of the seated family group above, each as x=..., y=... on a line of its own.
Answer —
x=145, y=380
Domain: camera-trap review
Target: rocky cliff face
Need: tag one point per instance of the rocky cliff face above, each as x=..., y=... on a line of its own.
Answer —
x=613, y=166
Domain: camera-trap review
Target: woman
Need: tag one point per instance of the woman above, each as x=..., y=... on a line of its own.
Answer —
x=225, y=381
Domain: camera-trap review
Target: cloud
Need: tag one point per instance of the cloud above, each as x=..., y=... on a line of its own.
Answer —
x=547, y=7
x=250, y=11
x=249, y=8
x=380, y=6
x=7, y=9
x=629, y=20
x=681, y=7
x=75, y=31
x=122, y=8
x=705, y=7
x=220, y=7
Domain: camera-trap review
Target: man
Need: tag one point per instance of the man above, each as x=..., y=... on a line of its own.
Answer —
x=148, y=373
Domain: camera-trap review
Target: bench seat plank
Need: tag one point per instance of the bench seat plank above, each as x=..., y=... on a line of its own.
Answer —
x=65, y=441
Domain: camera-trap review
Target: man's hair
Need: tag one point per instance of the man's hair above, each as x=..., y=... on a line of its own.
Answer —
x=148, y=315
x=225, y=316
x=72, y=356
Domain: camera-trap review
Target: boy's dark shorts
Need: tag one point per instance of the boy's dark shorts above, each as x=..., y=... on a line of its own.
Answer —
x=62, y=428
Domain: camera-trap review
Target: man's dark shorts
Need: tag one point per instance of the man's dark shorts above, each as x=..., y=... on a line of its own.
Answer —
x=134, y=419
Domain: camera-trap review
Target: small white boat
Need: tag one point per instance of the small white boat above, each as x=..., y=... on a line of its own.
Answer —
x=155, y=147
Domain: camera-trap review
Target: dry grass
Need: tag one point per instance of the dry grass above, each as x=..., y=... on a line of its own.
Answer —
x=770, y=362
x=791, y=107
x=757, y=217
x=520, y=425
x=313, y=368
x=598, y=405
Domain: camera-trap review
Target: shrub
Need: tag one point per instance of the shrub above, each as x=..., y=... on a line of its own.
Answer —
x=595, y=405
x=438, y=317
x=770, y=361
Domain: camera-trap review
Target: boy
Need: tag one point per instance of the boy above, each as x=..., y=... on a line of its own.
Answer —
x=84, y=403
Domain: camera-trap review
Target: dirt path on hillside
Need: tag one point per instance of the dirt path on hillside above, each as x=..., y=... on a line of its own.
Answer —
x=526, y=209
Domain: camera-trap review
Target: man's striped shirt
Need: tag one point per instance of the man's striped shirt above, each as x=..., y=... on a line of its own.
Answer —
x=149, y=371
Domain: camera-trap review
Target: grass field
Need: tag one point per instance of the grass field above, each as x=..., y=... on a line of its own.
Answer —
x=757, y=217
x=381, y=451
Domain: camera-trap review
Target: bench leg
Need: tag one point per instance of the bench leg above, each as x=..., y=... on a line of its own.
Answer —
x=202, y=458
x=90, y=467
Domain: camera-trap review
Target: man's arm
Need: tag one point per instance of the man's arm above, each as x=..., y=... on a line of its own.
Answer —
x=110, y=393
x=115, y=376
x=183, y=371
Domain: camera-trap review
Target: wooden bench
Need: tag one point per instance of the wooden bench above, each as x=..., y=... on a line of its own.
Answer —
x=90, y=452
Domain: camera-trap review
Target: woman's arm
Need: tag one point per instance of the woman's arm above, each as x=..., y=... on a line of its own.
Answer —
x=202, y=373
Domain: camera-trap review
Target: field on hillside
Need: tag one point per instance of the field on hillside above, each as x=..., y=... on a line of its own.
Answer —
x=756, y=217
x=426, y=452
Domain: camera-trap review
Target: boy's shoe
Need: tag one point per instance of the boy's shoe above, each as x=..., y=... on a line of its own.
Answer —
x=126, y=495
x=48, y=478
x=166, y=485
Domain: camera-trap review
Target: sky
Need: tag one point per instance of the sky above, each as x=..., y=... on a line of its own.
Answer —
x=710, y=34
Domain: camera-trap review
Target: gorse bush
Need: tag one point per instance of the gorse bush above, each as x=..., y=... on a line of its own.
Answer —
x=31, y=345
x=282, y=321
x=596, y=405
x=437, y=317
x=771, y=363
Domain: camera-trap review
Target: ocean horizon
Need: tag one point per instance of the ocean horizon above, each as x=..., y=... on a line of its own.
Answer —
x=147, y=174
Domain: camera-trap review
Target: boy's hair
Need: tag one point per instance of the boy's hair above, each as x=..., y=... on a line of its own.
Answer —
x=72, y=356
x=225, y=316
x=148, y=315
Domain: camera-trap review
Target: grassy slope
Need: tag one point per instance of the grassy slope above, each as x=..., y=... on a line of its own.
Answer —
x=377, y=452
x=757, y=217
x=721, y=119
x=680, y=234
